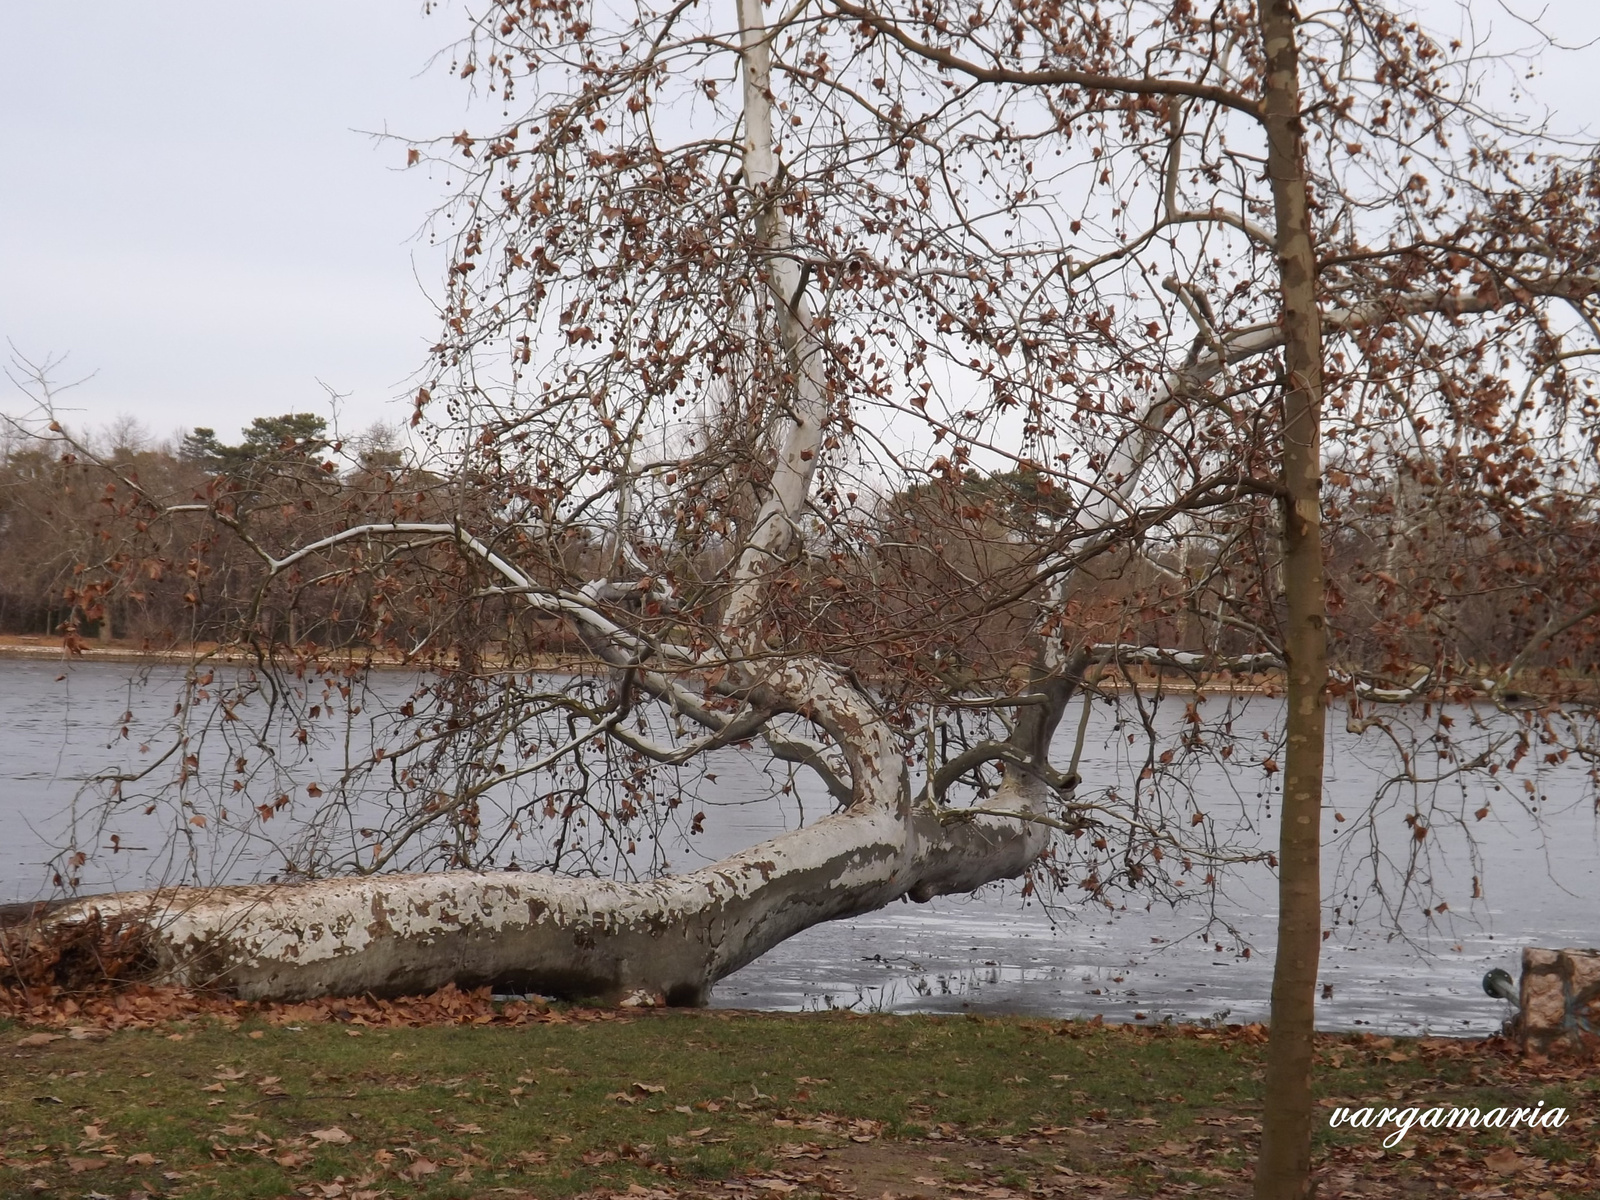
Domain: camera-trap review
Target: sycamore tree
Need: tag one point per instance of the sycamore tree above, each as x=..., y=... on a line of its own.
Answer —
x=854, y=385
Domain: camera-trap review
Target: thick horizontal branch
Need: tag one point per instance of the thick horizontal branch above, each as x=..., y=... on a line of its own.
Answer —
x=996, y=751
x=740, y=728
x=1384, y=695
x=672, y=937
x=813, y=755
x=1183, y=660
x=1245, y=664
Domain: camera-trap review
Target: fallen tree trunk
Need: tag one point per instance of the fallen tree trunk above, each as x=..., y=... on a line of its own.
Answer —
x=667, y=940
x=670, y=938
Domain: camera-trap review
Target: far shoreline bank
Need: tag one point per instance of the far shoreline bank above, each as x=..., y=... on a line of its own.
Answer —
x=1270, y=684
x=43, y=648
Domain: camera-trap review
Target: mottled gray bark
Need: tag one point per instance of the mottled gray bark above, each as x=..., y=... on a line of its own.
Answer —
x=670, y=939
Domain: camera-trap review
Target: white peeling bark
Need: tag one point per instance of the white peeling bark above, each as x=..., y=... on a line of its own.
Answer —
x=671, y=938
x=800, y=438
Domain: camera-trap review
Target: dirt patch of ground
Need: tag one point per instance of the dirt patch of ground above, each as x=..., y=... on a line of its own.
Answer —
x=1090, y=1163
x=1049, y=1164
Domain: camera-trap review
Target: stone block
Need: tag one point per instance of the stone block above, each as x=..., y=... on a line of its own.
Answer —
x=1560, y=999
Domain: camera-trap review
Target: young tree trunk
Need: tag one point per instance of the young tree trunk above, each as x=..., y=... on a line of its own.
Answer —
x=1284, y=1169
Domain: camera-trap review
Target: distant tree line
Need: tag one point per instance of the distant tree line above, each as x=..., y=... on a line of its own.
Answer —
x=1427, y=566
x=84, y=557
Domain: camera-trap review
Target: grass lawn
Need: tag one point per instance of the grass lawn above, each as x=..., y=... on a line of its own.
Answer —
x=737, y=1105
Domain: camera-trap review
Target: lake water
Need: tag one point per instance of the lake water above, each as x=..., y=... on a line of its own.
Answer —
x=1536, y=858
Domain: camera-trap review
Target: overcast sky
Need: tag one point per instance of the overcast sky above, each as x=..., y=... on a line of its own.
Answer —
x=191, y=207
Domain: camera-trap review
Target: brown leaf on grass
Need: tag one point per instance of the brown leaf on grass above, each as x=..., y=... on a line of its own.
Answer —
x=40, y=1039
x=800, y=1150
x=215, y=1087
x=142, y=1159
x=332, y=1136
x=78, y=1165
x=293, y=1159
x=88, y=1033
x=649, y=1089
x=1504, y=1161
x=471, y=1129
x=421, y=1168
x=622, y=1097
x=224, y=1071
x=297, y=1014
